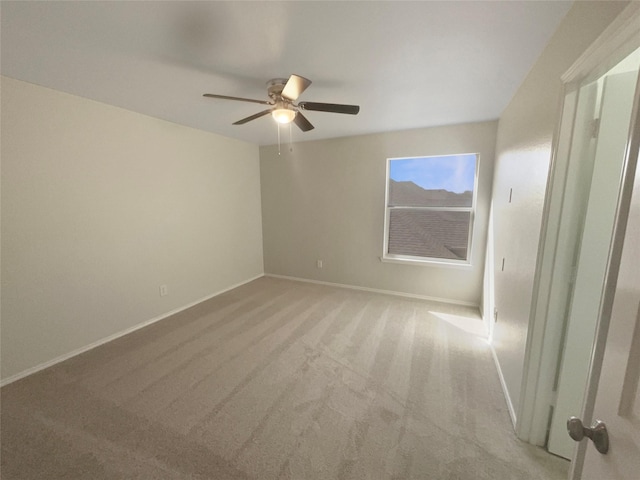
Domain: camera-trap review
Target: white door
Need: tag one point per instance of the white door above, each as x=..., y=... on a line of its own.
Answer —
x=615, y=386
x=614, y=116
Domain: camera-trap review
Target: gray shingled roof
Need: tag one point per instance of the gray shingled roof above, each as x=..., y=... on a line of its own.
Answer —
x=427, y=233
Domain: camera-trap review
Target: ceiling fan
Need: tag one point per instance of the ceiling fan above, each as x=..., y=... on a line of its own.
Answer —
x=283, y=93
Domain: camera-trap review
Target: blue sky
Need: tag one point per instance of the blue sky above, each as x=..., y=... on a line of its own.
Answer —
x=455, y=173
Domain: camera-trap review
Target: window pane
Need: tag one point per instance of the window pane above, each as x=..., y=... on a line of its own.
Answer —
x=428, y=233
x=445, y=181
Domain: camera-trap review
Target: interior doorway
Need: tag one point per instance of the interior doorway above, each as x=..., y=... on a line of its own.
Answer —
x=598, y=150
x=583, y=190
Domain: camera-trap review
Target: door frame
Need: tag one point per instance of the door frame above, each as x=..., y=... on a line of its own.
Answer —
x=546, y=320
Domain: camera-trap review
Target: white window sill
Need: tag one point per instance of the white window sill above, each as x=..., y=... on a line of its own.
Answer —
x=425, y=262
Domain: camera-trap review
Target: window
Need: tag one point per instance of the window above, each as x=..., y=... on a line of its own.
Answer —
x=430, y=205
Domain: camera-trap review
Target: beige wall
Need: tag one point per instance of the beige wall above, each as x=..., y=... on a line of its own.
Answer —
x=100, y=206
x=325, y=200
x=523, y=156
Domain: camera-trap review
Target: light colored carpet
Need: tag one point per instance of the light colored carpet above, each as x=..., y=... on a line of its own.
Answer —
x=276, y=380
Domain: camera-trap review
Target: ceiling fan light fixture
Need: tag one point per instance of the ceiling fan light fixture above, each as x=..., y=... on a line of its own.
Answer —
x=283, y=115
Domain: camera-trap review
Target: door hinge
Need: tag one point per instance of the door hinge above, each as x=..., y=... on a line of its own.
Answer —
x=595, y=127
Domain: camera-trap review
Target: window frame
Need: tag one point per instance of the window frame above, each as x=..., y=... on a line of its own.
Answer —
x=430, y=261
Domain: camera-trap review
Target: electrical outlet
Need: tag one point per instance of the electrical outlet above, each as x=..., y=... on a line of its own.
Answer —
x=163, y=290
x=319, y=263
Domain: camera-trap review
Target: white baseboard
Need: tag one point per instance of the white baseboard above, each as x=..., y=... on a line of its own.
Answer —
x=102, y=341
x=377, y=290
x=505, y=391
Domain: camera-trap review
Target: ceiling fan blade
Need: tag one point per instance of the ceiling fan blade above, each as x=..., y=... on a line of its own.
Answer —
x=330, y=107
x=252, y=117
x=225, y=97
x=302, y=122
x=295, y=86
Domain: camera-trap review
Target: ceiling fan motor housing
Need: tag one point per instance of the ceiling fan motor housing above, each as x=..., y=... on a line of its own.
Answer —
x=275, y=87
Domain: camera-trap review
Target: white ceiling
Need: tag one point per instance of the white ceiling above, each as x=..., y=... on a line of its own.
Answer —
x=407, y=64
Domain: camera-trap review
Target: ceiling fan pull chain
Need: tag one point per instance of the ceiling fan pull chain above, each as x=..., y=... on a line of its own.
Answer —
x=290, y=140
x=278, y=127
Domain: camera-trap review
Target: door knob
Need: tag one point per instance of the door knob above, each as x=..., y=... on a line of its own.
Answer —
x=597, y=433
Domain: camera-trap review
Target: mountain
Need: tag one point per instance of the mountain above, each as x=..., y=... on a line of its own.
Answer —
x=408, y=194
